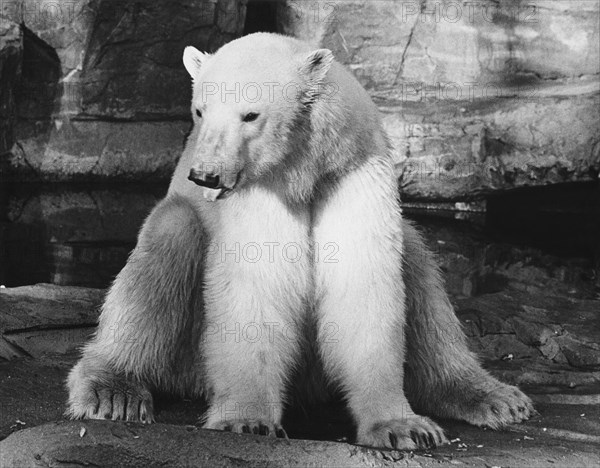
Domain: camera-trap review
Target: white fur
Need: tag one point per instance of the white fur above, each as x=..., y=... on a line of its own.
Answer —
x=251, y=283
x=362, y=292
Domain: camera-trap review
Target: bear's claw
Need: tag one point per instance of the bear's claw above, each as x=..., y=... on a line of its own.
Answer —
x=246, y=426
x=499, y=407
x=108, y=397
x=415, y=432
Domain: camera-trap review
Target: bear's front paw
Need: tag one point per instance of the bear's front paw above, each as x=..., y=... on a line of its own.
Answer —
x=101, y=395
x=414, y=432
x=249, y=426
x=500, y=406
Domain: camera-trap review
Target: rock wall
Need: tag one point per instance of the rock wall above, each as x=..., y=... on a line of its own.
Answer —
x=477, y=96
x=11, y=50
x=102, y=92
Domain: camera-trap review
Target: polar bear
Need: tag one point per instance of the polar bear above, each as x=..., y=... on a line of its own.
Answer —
x=279, y=263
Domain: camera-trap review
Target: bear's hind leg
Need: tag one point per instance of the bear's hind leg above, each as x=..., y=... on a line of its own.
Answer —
x=149, y=322
x=444, y=378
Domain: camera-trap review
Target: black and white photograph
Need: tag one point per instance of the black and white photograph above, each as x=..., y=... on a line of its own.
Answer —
x=300, y=233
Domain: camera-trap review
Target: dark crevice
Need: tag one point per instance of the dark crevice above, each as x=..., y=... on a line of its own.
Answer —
x=261, y=16
x=562, y=219
x=49, y=328
x=37, y=92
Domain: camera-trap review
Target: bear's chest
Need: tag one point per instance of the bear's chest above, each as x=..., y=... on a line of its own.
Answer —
x=263, y=244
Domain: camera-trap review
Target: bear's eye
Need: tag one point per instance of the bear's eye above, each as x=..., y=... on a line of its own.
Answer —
x=199, y=113
x=250, y=117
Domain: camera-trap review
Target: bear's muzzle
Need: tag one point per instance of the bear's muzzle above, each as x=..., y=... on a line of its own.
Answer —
x=204, y=179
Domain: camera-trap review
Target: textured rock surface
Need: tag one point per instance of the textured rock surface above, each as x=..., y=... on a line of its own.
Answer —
x=478, y=97
x=11, y=49
x=79, y=236
x=99, y=149
x=566, y=435
x=391, y=44
x=130, y=445
x=104, y=93
x=513, y=325
x=42, y=319
x=545, y=343
x=465, y=150
x=117, y=444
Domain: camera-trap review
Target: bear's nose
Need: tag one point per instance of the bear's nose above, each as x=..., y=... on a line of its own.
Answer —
x=204, y=179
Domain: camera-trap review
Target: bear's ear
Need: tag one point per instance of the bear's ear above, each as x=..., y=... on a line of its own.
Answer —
x=316, y=65
x=193, y=60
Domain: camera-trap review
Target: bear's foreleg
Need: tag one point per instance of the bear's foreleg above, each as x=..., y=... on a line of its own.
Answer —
x=148, y=322
x=256, y=286
x=361, y=307
x=443, y=377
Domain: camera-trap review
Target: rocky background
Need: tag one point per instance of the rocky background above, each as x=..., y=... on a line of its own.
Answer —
x=95, y=89
x=478, y=96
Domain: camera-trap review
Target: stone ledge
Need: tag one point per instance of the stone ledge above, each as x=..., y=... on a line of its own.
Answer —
x=92, y=150
x=464, y=150
x=107, y=443
x=103, y=443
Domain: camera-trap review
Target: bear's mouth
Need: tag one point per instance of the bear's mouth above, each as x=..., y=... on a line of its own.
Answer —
x=215, y=188
x=226, y=191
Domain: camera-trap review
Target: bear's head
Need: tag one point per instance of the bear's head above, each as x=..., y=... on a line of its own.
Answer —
x=251, y=108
